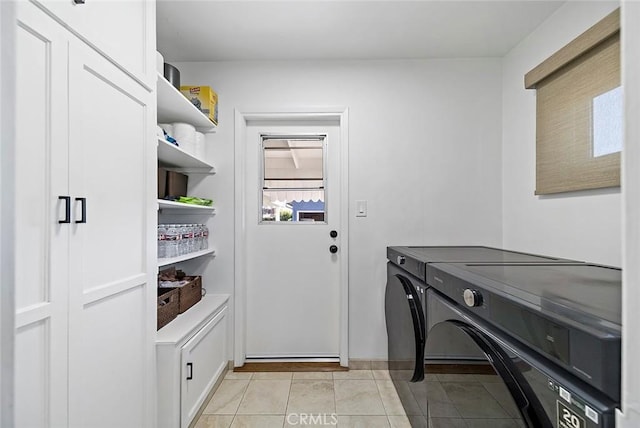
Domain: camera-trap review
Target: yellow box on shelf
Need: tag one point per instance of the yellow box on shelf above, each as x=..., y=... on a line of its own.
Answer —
x=204, y=98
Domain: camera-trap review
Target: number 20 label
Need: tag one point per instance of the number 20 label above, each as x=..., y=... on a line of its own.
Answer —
x=567, y=418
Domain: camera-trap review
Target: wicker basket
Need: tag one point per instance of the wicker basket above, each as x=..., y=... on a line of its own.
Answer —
x=168, y=305
x=190, y=293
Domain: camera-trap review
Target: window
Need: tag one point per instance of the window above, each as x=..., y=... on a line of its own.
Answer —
x=293, y=179
x=579, y=112
x=607, y=123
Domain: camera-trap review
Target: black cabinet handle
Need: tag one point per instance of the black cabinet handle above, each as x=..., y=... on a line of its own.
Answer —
x=333, y=234
x=83, y=204
x=67, y=209
x=78, y=1
x=333, y=249
x=190, y=368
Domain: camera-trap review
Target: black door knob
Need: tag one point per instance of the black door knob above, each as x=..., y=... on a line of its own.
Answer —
x=333, y=234
x=333, y=249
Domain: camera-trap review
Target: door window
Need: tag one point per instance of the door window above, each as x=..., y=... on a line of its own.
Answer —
x=293, y=179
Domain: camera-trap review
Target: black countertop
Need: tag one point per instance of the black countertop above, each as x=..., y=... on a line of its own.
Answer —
x=460, y=254
x=577, y=290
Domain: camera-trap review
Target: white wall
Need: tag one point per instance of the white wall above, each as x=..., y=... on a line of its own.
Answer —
x=425, y=152
x=580, y=225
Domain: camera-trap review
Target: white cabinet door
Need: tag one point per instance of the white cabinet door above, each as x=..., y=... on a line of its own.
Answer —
x=204, y=357
x=123, y=29
x=41, y=248
x=85, y=321
x=112, y=279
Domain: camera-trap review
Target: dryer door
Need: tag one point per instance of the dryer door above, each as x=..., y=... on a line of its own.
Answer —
x=405, y=325
x=487, y=389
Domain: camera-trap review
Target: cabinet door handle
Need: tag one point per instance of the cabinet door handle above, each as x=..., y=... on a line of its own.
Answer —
x=78, y=1
x=67, y=209
x=190, y=371
x=83, y=205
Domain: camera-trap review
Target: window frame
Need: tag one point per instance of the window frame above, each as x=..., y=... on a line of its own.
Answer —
x=321, y=137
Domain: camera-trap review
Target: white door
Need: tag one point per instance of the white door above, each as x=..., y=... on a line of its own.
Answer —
x=95, y=21
x=111, y=334
x=203, y=359
x=42, y=242
x=292, y=206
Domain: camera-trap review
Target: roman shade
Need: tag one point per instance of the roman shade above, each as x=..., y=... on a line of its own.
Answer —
x=578, y=100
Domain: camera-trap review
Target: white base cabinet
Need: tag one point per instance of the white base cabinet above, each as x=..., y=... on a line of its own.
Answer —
x=191, y=357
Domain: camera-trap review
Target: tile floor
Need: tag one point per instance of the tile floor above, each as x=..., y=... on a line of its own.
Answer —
x=358, y=399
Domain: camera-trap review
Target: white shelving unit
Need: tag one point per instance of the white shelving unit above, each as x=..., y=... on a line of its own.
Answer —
x=185, y=257
x=179, y=207
x=192, y=350
x=174, y=107
x=174, y=158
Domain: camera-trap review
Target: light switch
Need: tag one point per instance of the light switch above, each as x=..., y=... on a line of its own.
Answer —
x=361, y=208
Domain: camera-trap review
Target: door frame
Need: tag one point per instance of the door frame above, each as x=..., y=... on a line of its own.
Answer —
x=241, y=118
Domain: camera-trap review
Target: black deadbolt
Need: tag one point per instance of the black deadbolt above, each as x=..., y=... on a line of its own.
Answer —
x=333, y=234
x=333, y=249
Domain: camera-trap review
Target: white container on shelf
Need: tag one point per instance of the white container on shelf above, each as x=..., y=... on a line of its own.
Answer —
x=188, y=145
x=185, y=134
x=200, y=141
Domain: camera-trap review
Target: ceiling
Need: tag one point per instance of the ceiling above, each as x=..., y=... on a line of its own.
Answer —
x=215, y=30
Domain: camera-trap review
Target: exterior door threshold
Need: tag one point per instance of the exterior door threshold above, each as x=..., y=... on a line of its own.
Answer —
x=297, y=366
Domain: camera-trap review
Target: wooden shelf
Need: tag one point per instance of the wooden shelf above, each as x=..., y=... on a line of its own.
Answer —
x=185, y=208
x=175, y=107
x=194, y=255
x=174, y=158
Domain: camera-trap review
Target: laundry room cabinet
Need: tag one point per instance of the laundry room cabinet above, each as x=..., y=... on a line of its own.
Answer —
x=192, y=356
x=117, y=29
x=85, y=240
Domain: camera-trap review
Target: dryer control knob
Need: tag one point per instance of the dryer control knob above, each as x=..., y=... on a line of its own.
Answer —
x=472, y=297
